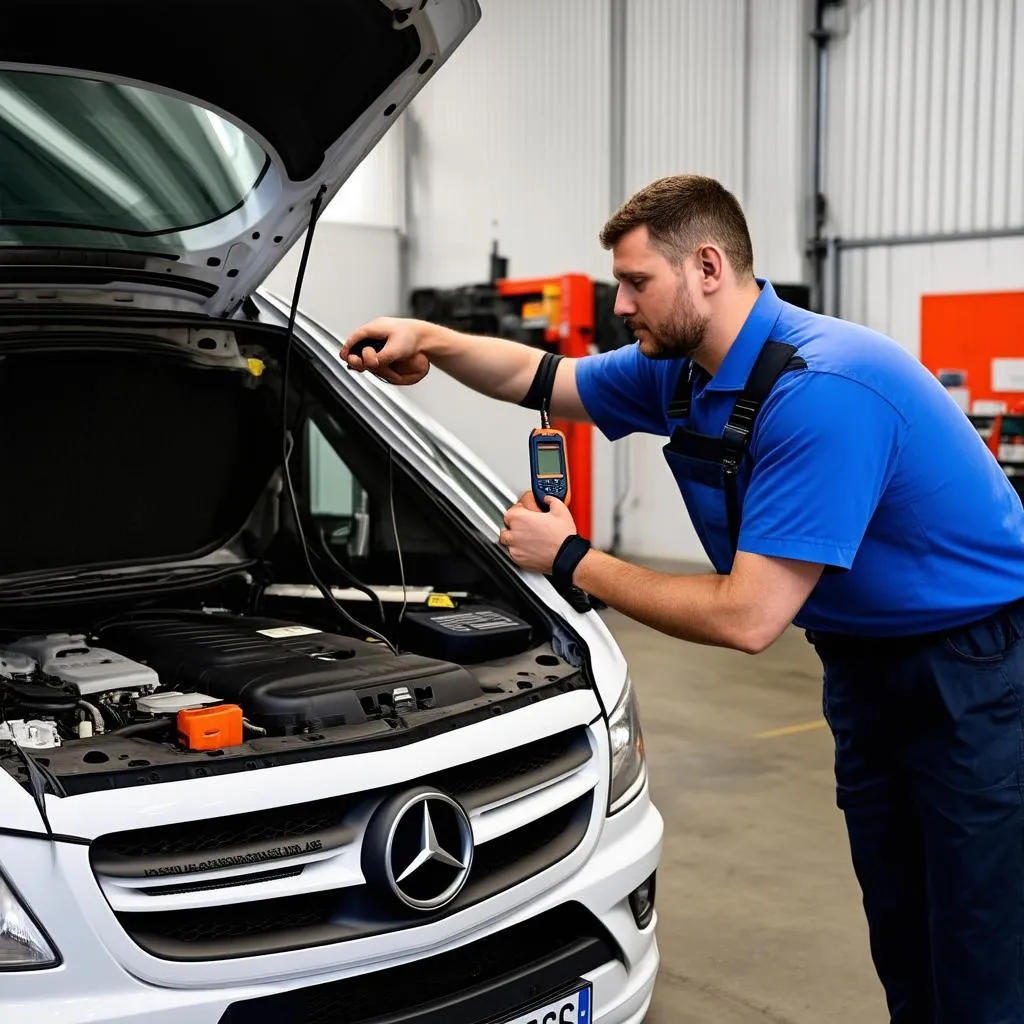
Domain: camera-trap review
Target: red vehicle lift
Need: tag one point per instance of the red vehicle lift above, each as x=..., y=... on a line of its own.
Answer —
x=562, y=310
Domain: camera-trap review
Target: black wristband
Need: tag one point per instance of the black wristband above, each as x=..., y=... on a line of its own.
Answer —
x=543, y=383
x=569, y=555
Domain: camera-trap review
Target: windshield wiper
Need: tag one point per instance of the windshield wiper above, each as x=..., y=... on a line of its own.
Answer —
x=40, y=780
x=115, y=581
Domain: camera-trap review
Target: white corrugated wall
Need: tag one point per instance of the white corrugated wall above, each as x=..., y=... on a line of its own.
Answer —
x=686, y=72
x=511, y=142
x=777, y=132
x=926, y=137
x=926, y=117
x=718, y=89
x=374, y=195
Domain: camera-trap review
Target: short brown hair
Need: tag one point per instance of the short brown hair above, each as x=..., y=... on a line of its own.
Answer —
x=680, y=213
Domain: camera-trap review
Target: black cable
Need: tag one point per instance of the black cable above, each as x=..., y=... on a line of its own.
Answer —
x=394, y=529
x=286, y=440
x=141, y=728
x=354, y=580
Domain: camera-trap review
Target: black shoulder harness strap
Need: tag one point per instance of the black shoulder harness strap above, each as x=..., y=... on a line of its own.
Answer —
x=774, y=359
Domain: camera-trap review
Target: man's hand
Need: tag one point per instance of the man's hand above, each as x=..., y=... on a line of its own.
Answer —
x=533, y=537
x=402, y=360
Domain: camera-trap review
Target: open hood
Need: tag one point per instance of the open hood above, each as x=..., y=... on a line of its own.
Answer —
x=166, y=156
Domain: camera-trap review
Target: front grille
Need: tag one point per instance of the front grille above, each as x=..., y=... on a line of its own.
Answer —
x=171, y=849
x=482, y=981
x=513, y=771
x=311, y=919
x=179, y=857
x=197, y=837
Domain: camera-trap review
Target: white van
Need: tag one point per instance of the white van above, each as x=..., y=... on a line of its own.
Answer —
x=284, y=734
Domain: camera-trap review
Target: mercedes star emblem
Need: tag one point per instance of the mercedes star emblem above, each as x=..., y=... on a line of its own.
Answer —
x=420, y=845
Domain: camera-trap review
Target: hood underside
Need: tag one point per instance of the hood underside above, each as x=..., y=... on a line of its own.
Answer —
x=167, y=157
x=138, y=453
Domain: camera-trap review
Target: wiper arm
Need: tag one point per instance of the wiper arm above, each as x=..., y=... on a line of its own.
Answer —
x=40, y=780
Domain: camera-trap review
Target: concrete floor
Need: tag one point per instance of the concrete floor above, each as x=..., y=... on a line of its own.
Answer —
x=759, y=911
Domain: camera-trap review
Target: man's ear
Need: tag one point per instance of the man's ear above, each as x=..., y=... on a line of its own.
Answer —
x=712, y=267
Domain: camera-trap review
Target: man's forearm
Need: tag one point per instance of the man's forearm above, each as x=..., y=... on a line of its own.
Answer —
x=702, y=608
x=493, y=366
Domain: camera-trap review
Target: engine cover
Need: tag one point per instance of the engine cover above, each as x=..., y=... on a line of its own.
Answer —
x=88, y=669
x=286, y=677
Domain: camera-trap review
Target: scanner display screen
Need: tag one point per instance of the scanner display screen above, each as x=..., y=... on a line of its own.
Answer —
x=549, y=460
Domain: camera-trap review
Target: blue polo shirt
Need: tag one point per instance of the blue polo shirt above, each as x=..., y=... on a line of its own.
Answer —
x=861, y=462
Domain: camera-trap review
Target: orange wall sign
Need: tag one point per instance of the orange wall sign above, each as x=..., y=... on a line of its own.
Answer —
x=980, y=335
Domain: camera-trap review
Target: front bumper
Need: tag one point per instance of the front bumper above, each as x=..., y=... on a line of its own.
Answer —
x=105, y=977
x=91, y=985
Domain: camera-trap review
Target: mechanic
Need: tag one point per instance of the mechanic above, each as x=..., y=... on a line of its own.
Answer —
x=834, y=485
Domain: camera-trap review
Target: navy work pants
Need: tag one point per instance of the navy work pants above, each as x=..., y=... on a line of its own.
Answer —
x=929, y=763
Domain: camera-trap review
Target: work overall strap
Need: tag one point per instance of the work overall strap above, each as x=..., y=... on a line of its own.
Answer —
x=773, y=360
x=679, y=407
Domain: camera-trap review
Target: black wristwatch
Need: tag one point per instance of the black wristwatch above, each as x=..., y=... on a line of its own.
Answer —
x=569, y=555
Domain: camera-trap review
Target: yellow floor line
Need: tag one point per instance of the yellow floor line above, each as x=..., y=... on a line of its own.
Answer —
x=789, y=730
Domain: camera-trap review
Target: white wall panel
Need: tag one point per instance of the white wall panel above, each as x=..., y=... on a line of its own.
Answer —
x=685, y=95
x=926, y=117
x=777, y=111
x=352, y=275
x=718, y=89
x=511, y=141
x=882, y=286
x=375, y=192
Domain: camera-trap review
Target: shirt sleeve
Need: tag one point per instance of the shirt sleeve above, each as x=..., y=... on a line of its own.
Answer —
x=622, y=391
x=824, y=451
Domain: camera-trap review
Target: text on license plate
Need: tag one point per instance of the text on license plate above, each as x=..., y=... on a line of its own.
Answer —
x=571, y=1009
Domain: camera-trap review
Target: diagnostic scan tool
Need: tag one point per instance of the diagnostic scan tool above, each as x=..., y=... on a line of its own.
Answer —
x=549, y=468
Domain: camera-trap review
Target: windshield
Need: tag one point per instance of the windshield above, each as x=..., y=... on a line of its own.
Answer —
x=79, y=157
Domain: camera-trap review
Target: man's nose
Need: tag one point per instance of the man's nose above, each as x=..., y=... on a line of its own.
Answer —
x=624, y=304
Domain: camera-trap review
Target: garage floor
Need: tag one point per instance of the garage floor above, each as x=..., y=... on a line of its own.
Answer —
x=760, y=917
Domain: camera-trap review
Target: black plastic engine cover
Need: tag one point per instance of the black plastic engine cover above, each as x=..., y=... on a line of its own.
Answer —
x=286, y=677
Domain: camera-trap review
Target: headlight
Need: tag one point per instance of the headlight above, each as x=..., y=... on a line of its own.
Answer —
x=22, y=943
x=629, y=769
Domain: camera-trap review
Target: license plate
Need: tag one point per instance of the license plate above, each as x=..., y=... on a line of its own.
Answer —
x=573, y=1008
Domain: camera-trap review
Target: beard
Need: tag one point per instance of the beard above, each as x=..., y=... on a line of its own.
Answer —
x=681, y=333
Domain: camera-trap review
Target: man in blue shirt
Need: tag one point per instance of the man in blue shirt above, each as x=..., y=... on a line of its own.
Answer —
x=834, y=485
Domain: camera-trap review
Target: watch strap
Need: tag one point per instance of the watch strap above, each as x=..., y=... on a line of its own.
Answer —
x=569, y=555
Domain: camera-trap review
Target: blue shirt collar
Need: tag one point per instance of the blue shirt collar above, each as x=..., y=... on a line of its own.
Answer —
x=756, y=330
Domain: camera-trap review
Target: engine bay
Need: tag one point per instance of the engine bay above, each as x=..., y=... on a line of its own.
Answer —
x=162, y=695
x=167, y=611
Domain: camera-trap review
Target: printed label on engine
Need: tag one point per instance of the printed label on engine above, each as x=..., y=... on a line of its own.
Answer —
x=281, y=631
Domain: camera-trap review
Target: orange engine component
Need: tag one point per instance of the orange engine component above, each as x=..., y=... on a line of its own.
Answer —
x=210, y=728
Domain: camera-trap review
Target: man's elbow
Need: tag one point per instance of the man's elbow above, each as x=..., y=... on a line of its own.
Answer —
x=756, y=635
